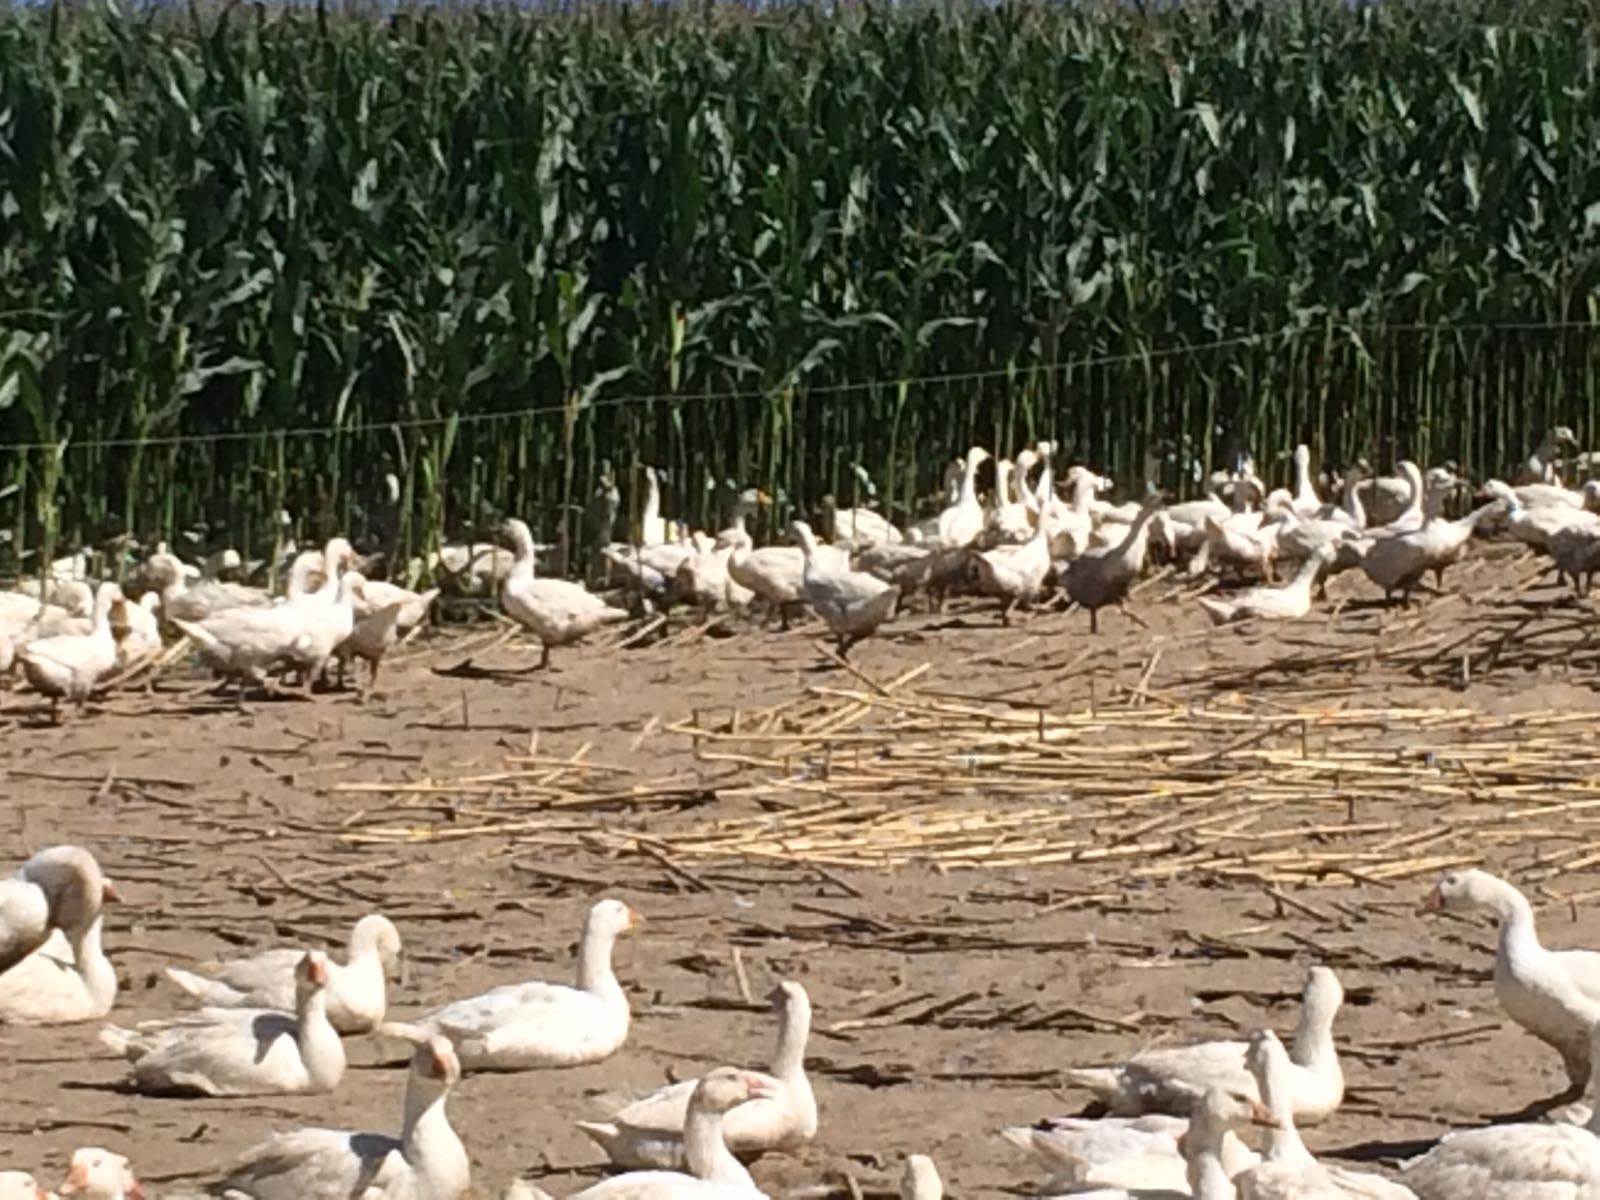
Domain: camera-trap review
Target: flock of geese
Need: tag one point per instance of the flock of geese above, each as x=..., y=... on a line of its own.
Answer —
x=1033, y=537
x=274, y=1024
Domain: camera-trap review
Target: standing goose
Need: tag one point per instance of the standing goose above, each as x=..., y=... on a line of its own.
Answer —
x=1306, y=502
x=426, y=1162
x=523, y=1026
x=1016, y=572
x=68, y=666
x=1103, y=577
x=649, y=1132
x=1396, y=562
x=1169, y=1079
x=58, y=888
x=1513, y=1162
x=851, y=603
x=1289, y=1171
x=1553, y=994
x=557, y=611
x=241, y=1051
x=960, y=524
x=357, y=992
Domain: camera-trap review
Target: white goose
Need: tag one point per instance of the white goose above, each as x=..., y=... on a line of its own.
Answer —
x=851, y=603
x=426, y=1162
x=714, y=1173
x=522, y=1026
x=97, y=1174
x=1016, y=572
x=1553, y=994
x=1120, y=1152
x=183, y=601
x=557, y=611
x=1512, y=1162
x=1290, y=602
x=357, y=997
x=241, y=1051
x=67, y=980
x=649, y=1132
x=68, y=666
x=372, y=635
x=57, y=888
x=1169, y=1079
x=1289, y=1171
x=960, y=524
x=19, y=1185
x=1396, y=562
x=919, y=1179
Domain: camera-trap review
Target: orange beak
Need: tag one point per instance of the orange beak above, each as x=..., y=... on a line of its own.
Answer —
x=109, y=893
x=1260, y=1116
x=1434, y=902
x=635, y=919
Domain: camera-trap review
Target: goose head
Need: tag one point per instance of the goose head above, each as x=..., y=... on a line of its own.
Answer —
x=1322, y=996
x=920, y=1179
x=728, y=1087
x=97, y=1174
x=376, y=934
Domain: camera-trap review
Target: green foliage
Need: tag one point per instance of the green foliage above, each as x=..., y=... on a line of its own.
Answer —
x=411, y=232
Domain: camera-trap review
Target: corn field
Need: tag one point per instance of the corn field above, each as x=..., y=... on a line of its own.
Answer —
x=401, y=274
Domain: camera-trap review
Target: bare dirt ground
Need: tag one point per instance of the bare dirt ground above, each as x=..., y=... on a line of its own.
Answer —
x=988, y=853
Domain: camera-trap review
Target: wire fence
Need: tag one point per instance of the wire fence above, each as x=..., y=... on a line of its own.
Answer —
x=1480, y=395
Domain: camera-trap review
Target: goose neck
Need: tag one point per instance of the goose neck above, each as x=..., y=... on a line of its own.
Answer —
x=99, y=976
x=789, y=1057
x=321, y=1049
x=1352, y=498
x=1208, y=1180
x=705, y=1149
x=1283, y=1140
x=594, y=962
x=1510, y=906
x=430, y=1144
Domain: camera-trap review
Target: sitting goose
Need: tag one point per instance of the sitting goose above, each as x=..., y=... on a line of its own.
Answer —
x=67, y=980
x=357, y=999
x=58, y=888
x=240, y=1051
x=1553, y=994
x=1169, y=1079
x=1288, y=603
x=1512, y=1162
x=1119, y=1152
x=522, y=1026
x=714, y=1173
x=426, y=1162
x=1289, y=1171
x=649, y=1132
x=851, y=603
